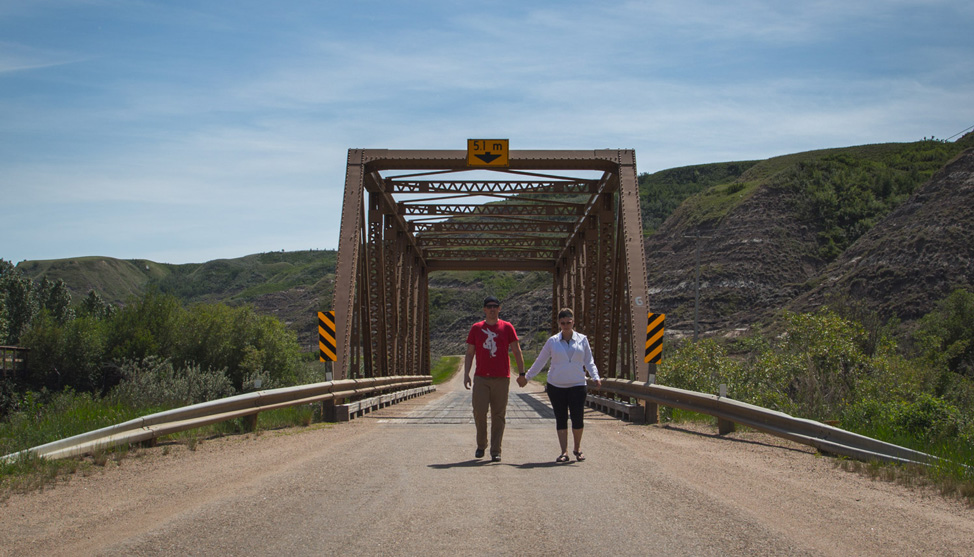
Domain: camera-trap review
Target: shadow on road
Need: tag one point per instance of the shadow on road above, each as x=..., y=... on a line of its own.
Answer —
x=551, y=464
x=461, y=464
x=486, y=461
x=541, y=408
x=734, y=439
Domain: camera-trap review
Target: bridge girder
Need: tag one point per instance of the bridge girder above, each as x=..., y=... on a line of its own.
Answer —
x=537, y=214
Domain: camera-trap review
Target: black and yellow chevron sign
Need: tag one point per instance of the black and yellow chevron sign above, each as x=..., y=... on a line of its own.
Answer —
x=326, y=337
x=654, y=338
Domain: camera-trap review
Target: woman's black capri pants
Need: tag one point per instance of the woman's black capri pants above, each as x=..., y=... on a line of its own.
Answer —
x=565, y=400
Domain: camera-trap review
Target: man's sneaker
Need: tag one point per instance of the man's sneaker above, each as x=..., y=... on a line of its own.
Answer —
x=479, y=453
x=495, y=458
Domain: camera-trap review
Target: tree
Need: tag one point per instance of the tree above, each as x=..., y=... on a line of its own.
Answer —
x=19, y=301
x=147, y=326
x=55, y=298
x=4, y=326
x=94, y=306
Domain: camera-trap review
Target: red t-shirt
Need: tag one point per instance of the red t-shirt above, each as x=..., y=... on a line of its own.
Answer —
x=492, y=343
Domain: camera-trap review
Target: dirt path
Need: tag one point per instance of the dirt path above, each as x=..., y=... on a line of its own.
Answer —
x=404, y=481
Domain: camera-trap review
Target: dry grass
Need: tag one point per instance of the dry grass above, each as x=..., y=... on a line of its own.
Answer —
x=914, y=476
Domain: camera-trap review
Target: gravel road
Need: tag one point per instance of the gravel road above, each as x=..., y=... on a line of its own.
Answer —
x=403, y=481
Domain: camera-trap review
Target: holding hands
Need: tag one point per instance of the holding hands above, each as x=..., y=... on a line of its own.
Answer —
x=521, y=381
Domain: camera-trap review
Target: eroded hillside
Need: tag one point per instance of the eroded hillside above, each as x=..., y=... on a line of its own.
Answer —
x=919, y=254
x=767, y=237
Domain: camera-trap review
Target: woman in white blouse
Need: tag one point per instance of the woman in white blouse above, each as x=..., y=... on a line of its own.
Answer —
x=571, y=357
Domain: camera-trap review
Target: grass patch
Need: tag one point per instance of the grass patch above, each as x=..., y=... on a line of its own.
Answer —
x=31, y=473
x=952, y=475
x=668, y=414
x=294, y=416
x=951, y=479
x=714, y=204
x=262, y=289
x=445, y=368
x=65, y=414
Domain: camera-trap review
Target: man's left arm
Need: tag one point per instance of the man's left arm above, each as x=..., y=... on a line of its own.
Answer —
x=518, y=357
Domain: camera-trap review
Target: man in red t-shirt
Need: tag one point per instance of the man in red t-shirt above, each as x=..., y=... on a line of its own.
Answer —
x=489, y=341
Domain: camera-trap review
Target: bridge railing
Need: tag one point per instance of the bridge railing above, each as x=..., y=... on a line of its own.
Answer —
x=823, y=437
x=214, y=411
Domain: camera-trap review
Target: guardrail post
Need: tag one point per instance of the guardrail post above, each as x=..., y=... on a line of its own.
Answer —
x=725, y=426
x=650, y=409
x=250, y=422
x=650, y=413
x=328, y=411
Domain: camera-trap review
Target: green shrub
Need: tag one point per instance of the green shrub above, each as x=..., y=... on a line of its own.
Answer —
x=767, y=380
x=828, y=362
x=154, y=383
x=929, y=419
x=700, y=366
x=239, y=340
x=945, y=336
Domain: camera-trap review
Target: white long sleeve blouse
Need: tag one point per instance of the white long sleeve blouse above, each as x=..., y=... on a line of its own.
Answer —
x=569, y=360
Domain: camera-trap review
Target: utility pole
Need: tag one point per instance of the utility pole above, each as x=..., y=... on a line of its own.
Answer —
x=696, y=292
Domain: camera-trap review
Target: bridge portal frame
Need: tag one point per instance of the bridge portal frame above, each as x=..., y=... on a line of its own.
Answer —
x=593, y=250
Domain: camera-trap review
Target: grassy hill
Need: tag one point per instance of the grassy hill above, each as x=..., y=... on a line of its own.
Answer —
x=244, y=279
x=115, y=280
x=662, y=192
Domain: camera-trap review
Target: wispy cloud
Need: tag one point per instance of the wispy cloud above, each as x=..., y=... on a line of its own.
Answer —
x=202, y=131
x=16, y=57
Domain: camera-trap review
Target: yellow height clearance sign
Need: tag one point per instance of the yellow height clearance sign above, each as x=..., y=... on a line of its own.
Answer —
x=654, y=338
x=326, y=337
x=490, y=153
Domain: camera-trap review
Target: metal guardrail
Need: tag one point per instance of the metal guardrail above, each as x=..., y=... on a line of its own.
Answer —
x=347, y=412
x=214, y=411
x=823, y=437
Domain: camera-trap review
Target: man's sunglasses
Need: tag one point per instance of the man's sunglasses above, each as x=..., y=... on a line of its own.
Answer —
x=491, y=306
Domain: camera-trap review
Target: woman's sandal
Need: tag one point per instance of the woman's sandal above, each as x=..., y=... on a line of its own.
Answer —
x=579, y=455
x=562, y=458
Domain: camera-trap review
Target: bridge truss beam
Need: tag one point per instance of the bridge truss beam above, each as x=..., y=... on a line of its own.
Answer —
x=574, y=214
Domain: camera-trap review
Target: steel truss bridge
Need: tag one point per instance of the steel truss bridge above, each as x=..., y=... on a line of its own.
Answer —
x=574, y=214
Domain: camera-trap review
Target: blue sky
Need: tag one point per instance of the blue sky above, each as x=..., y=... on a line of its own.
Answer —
x=188, y=131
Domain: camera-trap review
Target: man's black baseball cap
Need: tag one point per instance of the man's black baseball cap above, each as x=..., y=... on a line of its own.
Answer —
x=491, y=300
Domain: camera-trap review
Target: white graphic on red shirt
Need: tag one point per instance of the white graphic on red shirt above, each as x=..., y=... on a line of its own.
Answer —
x=489, y=344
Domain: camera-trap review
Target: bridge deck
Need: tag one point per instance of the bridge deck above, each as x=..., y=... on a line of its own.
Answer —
x=523, y=409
